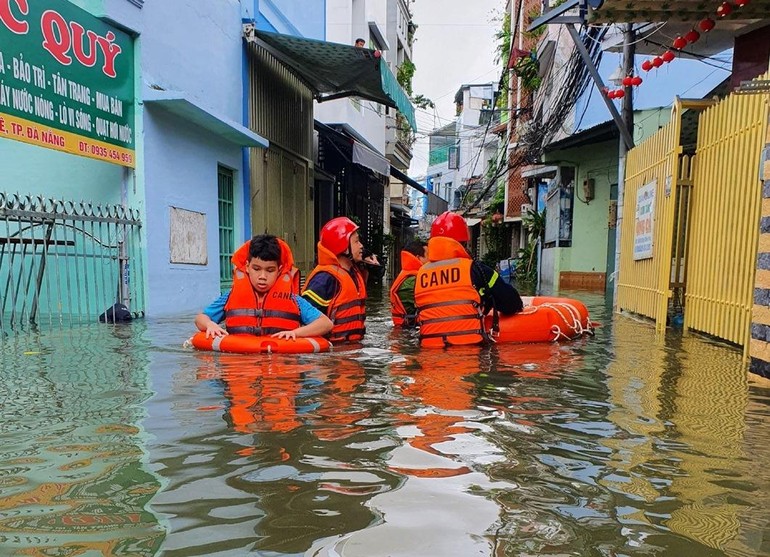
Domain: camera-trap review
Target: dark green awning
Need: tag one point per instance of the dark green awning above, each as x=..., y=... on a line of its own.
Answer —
x=334, y=70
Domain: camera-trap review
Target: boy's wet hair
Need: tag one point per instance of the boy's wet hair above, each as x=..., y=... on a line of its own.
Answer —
x=416, y=248
x=265, y=247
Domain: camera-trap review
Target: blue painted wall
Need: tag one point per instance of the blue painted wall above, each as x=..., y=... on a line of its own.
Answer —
x=301, y=18
x=194, y=48
x=29, y=169
x=180, y=159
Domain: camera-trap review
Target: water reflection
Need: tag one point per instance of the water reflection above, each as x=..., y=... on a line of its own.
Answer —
x=118, y=441
x=72, y=474
x=682, y=456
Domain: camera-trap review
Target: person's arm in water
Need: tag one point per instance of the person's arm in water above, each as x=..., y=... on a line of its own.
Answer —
x=495, y=290
x=314, y=323
x=208, y=320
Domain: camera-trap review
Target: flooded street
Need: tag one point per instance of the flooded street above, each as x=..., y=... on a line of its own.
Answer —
x=119, y=441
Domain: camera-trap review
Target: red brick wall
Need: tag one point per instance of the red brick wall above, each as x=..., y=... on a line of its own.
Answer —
x=517, y=185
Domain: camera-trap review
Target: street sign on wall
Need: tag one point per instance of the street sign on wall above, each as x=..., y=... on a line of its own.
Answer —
x=644, y=221
x=66, y=80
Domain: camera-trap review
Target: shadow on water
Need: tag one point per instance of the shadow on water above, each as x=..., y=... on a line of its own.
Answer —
x=118, y=441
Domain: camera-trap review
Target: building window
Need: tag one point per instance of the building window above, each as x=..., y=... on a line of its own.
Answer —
x=226, y=227
x=558, y=227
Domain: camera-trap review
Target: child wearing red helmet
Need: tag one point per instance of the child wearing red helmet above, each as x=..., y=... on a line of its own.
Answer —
x=337, y=285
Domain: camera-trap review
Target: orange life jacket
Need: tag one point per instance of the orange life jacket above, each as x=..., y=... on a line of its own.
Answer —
x=410, y=264
x=347, y=309
x=278, y=311
x=448, y=305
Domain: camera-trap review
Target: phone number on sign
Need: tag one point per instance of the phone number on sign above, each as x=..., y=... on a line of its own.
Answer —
x=104, y=152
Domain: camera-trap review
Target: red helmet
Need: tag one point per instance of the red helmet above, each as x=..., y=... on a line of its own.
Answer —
x=450, y=225
x=335, y=234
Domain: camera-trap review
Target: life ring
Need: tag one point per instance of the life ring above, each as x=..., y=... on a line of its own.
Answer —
x=250, y=344
x=543, y=319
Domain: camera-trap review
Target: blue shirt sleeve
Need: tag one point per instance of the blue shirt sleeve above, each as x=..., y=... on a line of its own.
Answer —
x=320, y=291
x=216, y=309
x=307, y=313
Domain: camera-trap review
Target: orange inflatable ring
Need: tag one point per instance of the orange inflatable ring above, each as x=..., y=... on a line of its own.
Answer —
x=250, y=344
x=544, y=319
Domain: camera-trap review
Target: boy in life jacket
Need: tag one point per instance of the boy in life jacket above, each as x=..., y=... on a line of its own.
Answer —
x=337, y=286
x=265, y=297
x=453, y=292
x=402, y=308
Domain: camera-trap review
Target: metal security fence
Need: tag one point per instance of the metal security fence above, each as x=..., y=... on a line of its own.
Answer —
x=701, y=223
x=63, y=263
x=725, y=215
x=644, y=278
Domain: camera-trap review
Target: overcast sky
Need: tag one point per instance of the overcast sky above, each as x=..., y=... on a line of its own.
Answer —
x=454, y=44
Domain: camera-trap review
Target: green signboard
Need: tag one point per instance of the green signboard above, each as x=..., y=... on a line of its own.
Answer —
x=66, y=80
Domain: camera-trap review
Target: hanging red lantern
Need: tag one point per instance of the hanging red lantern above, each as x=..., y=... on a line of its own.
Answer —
x=706, y=25
x=667, y=56
x=725, y=9
x=647, y=65
x=636, y=81
x=679, y=43
x=620, y=93
x=627, y=81
x=692, y=36
x=611, y=94
x=741, y=3
x=657, y=61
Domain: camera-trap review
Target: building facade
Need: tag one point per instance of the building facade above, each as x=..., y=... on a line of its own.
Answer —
x=137, y=219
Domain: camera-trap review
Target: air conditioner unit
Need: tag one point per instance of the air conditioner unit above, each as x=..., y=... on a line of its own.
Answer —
x=526, y=208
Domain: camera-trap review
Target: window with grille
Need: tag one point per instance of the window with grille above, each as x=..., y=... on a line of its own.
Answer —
x=226, y=227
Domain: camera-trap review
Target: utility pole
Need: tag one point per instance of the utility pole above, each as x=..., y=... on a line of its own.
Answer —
x=627, y=115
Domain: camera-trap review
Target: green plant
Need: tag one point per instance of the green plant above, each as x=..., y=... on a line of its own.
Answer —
x=532, y=14
x=527, y=68
x=503, y=37
x=405, y=74
x=404, y=132
x=496, y=238
x=526, y=267
x=421, y=101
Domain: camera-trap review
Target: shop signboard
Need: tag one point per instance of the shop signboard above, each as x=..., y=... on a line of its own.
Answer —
x=644, y=221
x=66, y=81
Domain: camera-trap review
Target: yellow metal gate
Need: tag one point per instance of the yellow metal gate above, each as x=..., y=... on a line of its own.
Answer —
x=691, y=223
x=646, y=235
x=725, y=214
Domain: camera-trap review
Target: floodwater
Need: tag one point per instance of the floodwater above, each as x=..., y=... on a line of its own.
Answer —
x=119, y=441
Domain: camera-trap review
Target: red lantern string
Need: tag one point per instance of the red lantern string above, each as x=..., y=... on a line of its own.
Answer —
x=679, y=43
x=692, y=36
x=725, y=9
x=706, y=25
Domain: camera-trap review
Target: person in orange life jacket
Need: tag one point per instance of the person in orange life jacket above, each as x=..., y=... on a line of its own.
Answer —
x=402, y=308
x=337, y=285
x=264, y=299
x=453, y=292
